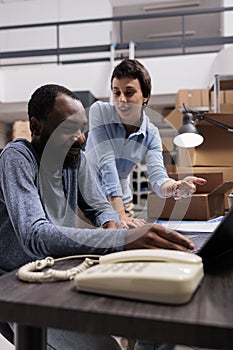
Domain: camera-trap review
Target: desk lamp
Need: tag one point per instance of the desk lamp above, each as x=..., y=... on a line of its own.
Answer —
x=188, y=135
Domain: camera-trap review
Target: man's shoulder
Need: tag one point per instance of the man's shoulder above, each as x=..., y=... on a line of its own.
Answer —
x=18, y=147
x=18, y=143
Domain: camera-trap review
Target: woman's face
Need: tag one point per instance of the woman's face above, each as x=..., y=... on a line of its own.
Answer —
x=128, y=99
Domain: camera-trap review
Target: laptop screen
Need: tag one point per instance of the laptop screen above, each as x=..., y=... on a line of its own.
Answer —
x=220, y=242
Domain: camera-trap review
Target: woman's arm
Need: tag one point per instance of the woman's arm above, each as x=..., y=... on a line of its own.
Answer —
x=159, y=179
x=126, y=221
x=92, y=200
x=101, y=146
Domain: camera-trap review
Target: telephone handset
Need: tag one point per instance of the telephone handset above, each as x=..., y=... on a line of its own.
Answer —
x=161, y=275
x=162, y=255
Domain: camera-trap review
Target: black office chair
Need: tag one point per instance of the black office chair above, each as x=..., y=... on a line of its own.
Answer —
x=7, y=332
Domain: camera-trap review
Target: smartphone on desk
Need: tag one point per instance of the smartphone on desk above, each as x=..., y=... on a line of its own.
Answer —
x=165, y=276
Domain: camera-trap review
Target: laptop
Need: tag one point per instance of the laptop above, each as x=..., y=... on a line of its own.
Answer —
x=216, y=247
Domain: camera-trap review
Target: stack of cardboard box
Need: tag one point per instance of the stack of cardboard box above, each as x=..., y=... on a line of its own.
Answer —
x=207, y=203
x=198, y=98
x=203, y=100
x=226, y=101
x=212, y=160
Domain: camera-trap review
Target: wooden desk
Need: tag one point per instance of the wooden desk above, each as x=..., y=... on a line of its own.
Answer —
x=207, y=320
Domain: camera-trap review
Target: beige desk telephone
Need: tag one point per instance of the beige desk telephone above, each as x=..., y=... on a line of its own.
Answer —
x=161, y=275
x=166, y=276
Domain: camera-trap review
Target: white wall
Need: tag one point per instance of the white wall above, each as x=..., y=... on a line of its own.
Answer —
x=20, y=83
x=43, y=11
x=222, y=65
x=40, y=11
x=228, y=19
x=168, y=74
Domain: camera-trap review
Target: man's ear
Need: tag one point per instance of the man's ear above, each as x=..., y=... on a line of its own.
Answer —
x=35, y=126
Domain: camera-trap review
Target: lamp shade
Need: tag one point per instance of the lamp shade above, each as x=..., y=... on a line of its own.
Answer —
x=188, y=135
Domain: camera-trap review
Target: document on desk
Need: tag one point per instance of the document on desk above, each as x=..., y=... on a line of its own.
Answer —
x=189, y=227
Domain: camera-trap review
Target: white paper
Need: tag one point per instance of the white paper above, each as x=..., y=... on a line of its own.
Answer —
x=190, y=226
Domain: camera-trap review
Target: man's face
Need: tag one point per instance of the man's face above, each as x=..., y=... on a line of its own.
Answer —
x=64, y=127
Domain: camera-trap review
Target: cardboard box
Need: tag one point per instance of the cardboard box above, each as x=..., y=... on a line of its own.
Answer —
x=225, y=100
x=205, y=97
x=4, y=134
x=213, y=180
x=201, y=206
x=225, y=96
x=227, y=175
x=227, y=172
x=174, y=119
x=192, y=98
x=21, y=129
x=228, y=96
x=168, y=144
x=171, y=168
x=216, y=150
x=226, y=108
x=187, y=97
x=221, y=97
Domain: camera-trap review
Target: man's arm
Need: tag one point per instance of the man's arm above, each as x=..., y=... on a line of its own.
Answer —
x=35, y=233
x=31, y=232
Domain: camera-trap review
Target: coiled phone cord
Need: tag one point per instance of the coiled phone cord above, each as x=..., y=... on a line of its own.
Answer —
x=31, y=272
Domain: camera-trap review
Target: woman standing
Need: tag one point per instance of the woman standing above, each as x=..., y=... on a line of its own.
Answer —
x=121, y=135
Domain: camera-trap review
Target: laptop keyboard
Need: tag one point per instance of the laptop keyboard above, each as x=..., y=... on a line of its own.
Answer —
x=198, y=240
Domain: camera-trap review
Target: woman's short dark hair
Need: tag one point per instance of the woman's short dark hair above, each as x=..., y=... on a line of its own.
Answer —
x=134, y=69
x=42, y=100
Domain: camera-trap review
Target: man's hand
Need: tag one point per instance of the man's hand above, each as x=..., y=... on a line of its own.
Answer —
x=156, y=237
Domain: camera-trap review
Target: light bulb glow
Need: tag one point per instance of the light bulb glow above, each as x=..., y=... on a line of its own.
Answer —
x=188, y=140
